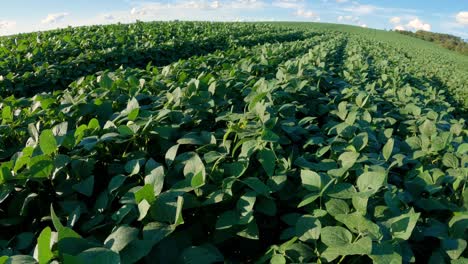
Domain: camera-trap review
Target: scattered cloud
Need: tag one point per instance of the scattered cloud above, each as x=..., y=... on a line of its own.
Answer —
x=306, y=14
x=108, y=17
x=54, y=18
x=359, y=9
x=352, y=19
x=291, y=4
x=395, y=20
x=417, y=24
x=341, y=1
x=399, y=27
x=7, y=24
x=363, y=25
x=462, y=18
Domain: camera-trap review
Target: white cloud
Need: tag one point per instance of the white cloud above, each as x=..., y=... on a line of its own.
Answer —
x=54, y=18
x=306, y=14
x=108, y=17
x=395, y=20
x=7, y=24
x=291, y=4
x=462, y=18
x=363, y=25
x=360, y=9
x=417, y=24
x=341, y=1
x=348, y=19
x=399, y=27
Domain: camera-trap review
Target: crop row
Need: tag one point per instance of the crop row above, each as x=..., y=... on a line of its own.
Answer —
x=49, y=61
x=326, y=149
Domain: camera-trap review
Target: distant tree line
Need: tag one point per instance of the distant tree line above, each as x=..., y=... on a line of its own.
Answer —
x=445, y=40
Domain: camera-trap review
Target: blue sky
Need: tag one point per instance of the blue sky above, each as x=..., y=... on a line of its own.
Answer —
x=447, y=16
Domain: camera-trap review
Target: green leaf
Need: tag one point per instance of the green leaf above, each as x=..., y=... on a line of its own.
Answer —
x=278, y=259
x=371, y=181
x=358, y=224
x=454, y=247
x=178, y=216
x=311, y=180
x=132, y=109
x=227, y=220
x=197, y=180
x=269, y=136
x=267, y=158
x=55, y=220
x=206, y=253
x=155, y=232
x=145, y=193
x=336, y=207
x=171, y=154
x=348, y=159
x=85, y=187
x=449, y=160
x=361, y=247
x=402, y=226
x=360, y=141
x=99, y=255
x=47, y=142
x=258, y=186
x=385, y=252
x=428, y=128
x=335, y=236
x=40, y=166
x=462, y=149
x=308, y=228
x=388, y=149
x=250, y=231
x=21, y=259
x=7, y=114
x=120, y=238
x=44, y=253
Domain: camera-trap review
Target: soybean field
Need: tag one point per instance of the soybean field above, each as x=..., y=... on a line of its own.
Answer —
x=199, y=142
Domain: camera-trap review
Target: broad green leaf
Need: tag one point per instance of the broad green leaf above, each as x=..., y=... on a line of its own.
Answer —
x=336, y=207
x=454, y=247
x=335, y=236
x=155, y=231
x=348, y=159
x=371, y=181
x=85, y=187
x=428, y=128
x=47, y=142
x=402, y=226
x=120, y=238
x=388, y=149
x=99, y=255
x=178, y=215
x=258, y=186
x=171, y=154
x=21, y=259
x=267, y=158
x=143, y=208
x=359, y=224
x=250, y=231
x=311, y=180
x=450, y=160
x=278, y=259
x=44, y=252
x=308, y=228
x=206, y=253
x=7, y=115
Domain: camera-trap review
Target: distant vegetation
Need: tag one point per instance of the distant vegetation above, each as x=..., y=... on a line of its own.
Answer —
x=445, y=40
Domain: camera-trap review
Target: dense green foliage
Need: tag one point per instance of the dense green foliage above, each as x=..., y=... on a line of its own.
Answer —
x=445, y=40
x=320, y=145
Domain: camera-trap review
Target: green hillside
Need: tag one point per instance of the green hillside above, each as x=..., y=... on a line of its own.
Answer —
x=200, y=142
